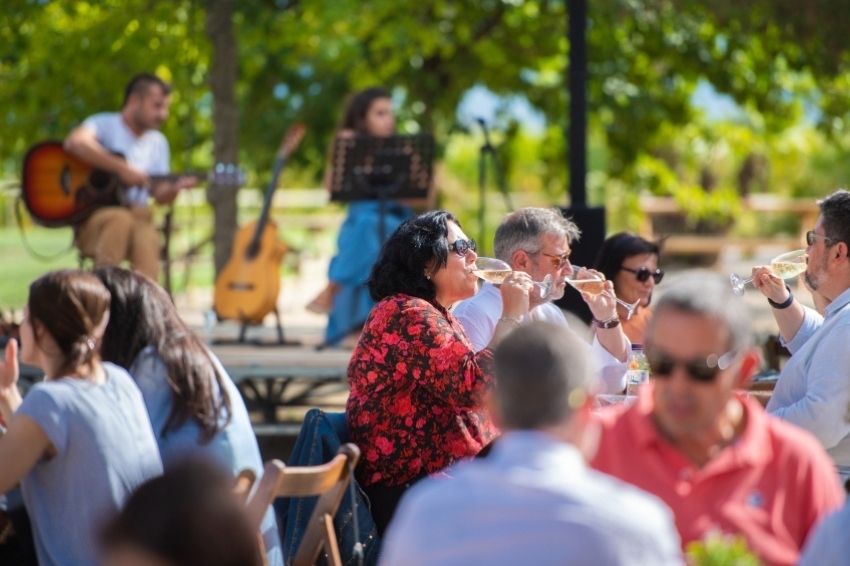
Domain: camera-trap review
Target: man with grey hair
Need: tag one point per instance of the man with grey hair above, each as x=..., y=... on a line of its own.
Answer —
x=701, y=445
x=813, y=390
x=537, y=241
x=533, y=500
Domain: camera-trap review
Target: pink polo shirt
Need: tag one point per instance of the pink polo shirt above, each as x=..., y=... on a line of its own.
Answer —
x=772, y=485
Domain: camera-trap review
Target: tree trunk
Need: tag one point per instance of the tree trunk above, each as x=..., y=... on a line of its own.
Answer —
x=219, y=28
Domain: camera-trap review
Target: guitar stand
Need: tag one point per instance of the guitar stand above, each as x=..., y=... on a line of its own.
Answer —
x=243, y=329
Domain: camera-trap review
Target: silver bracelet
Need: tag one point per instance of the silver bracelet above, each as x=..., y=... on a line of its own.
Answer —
x=513, y=319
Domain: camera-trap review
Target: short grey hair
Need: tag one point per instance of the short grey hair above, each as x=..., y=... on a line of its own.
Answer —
x=522, y=229
x=705, y=293
x=543, y=373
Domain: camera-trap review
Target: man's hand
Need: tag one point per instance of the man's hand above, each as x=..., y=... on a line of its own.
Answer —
x=769, y=284
x=133, y=177
x=515, y=289
x=602, y=306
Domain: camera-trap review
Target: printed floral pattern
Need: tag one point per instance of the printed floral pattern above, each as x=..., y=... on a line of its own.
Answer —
x=416, y=392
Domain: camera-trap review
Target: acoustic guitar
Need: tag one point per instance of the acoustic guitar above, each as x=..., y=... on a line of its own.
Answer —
x=60, y=189
x=247, y=288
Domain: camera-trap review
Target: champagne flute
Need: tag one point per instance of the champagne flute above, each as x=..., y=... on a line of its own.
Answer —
x=495, y=271
x=784, y=266
x=596, y=286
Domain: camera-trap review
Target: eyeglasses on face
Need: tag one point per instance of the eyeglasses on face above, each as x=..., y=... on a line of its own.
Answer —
x=811, y=235
x=703, y=370
x=462, y=246
x=643, y=274
x=558, y=261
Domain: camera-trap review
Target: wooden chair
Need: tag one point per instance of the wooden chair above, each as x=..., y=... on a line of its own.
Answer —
x=328, y=481
x=244, y=482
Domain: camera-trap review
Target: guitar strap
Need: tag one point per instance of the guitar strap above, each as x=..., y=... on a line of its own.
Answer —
x=19, y=218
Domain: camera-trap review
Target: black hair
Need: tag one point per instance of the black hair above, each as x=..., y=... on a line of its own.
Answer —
x=187, y=516
x=617, y=248
x=836, y=216
x=141, y=83
x=404, y=258
x=358, y=106
x=142, y=314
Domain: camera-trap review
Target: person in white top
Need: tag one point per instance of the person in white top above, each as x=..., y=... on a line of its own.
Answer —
x=129, y=145
x=537, y=241
x=533, y=499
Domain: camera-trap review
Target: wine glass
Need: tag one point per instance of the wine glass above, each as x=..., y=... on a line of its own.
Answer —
x=495, y=270
x=596, y=286
x=784, y=266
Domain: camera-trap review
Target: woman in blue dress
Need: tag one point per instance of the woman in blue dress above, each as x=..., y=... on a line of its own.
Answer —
x=345, y=299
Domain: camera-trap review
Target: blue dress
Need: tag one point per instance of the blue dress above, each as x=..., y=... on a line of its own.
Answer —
x=358, y=245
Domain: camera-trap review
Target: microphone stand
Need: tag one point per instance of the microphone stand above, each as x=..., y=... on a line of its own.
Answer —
x=488, y=149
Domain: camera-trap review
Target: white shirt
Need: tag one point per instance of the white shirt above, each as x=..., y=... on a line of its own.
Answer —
x=532, y=500
x=479, y=315
x=148, y=152
x=813, y=390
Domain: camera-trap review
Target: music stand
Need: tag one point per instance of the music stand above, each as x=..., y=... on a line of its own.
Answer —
x=382, y=168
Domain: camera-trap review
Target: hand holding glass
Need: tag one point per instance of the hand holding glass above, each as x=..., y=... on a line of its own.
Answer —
x=495, y=271
x=784, y=266
x=596, y=286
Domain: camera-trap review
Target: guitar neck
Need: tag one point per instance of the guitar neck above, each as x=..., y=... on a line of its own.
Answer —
x=172, y=177
x=267, y=203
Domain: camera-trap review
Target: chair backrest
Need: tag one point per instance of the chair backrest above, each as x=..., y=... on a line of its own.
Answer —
x=244, y=482
x=328, y=481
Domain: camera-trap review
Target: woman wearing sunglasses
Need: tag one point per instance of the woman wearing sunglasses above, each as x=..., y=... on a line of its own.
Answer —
x=416, y=402
x=631, y=264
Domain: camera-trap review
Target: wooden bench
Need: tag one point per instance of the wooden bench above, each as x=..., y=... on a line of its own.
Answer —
x=679, y=244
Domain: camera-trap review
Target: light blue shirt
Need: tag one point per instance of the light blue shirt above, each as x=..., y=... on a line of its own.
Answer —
x=234, y=447
x=813, y=390
x=105, y=449
x=532, y=500
x=829, y=545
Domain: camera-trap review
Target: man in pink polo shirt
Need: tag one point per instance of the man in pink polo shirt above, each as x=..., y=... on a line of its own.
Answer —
x=712, y=454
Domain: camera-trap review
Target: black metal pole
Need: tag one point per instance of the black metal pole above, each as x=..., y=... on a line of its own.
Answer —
x=577, y=90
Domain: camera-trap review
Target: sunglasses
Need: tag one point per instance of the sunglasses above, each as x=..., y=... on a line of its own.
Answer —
x=810, y=237
x=461, y=247
x=643, y=274
x=700, y=369
x=558, y=261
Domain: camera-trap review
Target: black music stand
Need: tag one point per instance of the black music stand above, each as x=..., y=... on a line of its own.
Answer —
x=382, y=168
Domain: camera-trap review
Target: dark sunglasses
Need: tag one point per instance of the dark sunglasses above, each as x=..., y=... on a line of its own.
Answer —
x=558, y=261
x=810, y=237
x=643, y=274
x=462, y=246
x=701, y=369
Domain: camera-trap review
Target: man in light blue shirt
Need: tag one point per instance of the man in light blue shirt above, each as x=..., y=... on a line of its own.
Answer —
x=533, y=500
x=813, y=390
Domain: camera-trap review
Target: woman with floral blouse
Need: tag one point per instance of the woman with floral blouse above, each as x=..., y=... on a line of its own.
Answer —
x=417, y=386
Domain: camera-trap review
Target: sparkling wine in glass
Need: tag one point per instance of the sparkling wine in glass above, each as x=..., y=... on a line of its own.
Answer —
x=784, y=266
x=596, y=286
x=495, y=271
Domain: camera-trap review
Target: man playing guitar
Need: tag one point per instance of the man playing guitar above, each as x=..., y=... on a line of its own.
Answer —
x=112, y=234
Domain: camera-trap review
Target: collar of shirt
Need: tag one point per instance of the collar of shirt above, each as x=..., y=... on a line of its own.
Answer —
x=840, y=302
x=751, y=448
x=537, y=450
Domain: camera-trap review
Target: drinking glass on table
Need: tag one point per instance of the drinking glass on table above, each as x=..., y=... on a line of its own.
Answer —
x=495, y=271
x=596, y=286
x=784, y=266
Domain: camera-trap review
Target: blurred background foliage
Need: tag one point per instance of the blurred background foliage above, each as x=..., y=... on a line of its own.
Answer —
x=780, y=69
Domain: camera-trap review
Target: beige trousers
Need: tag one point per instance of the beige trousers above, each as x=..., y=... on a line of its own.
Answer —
x=113, y=234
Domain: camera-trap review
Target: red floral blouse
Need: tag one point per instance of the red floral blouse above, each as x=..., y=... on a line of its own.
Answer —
x=416, y=401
